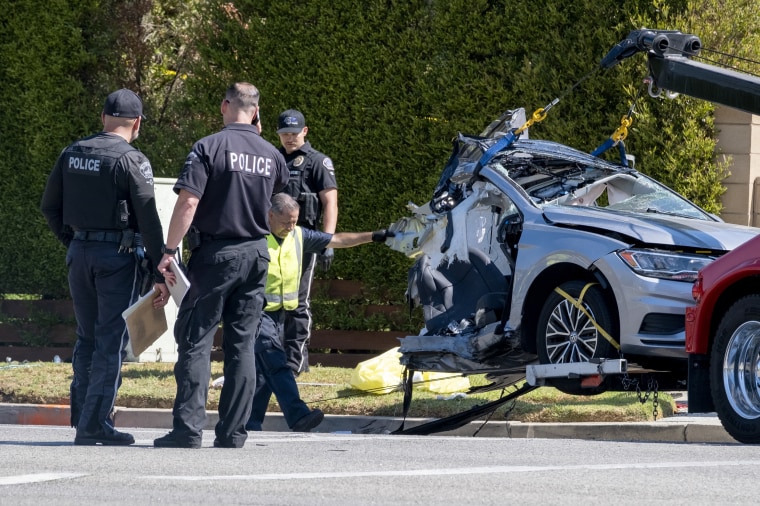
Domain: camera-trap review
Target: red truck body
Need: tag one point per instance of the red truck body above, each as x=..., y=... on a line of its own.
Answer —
x=718, y=286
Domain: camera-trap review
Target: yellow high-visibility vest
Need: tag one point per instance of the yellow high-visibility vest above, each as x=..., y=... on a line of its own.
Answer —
x=284, y=271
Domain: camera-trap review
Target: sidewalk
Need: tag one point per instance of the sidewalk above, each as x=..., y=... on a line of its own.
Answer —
x=675, y=429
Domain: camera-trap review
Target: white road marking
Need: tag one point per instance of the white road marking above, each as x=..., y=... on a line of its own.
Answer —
x=36, y=478
x=459, y=471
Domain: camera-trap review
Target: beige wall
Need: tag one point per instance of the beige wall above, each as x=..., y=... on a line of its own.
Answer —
x=739, y=139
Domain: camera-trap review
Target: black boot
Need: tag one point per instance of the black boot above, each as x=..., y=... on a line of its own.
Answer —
x=104, y=437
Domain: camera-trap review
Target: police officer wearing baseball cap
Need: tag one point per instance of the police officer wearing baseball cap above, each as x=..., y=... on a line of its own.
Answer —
x=312, y=184
x=99, y=201
x=224, y=188
x=124, y=103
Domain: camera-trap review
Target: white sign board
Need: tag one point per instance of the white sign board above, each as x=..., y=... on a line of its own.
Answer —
x=164, y=349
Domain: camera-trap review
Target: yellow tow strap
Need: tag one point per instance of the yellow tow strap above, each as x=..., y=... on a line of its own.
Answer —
x=579, y=306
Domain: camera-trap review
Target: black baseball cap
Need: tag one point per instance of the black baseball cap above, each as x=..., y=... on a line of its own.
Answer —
x=124, y=103
x=290, y=121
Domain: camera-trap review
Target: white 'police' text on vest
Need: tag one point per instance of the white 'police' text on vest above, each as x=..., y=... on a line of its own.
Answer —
x=252, y=164
x=83, y=163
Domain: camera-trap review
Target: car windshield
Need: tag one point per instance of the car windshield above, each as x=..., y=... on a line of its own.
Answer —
x=555, y=174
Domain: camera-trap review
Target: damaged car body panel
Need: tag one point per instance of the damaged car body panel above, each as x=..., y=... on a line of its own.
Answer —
x=547, y=254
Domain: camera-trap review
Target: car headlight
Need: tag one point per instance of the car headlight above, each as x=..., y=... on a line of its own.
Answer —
x=664, y=264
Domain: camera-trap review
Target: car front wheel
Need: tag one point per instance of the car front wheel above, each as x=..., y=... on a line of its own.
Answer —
x=735, y=370
x=567, y=334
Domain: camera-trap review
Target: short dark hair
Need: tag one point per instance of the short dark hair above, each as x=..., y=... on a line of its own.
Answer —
x=243, y=96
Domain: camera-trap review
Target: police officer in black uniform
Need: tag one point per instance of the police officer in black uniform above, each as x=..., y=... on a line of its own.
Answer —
x=224, y=191
x=313, y=185
x=99, y=201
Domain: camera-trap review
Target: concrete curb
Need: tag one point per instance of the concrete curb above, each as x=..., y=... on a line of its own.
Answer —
x=33, y=414
x=676, y=429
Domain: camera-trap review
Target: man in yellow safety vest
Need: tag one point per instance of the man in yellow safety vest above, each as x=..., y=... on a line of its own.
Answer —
x=287, y=245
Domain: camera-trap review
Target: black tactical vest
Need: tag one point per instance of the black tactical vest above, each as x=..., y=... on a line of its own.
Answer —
x=93, y=199
x=300, y=168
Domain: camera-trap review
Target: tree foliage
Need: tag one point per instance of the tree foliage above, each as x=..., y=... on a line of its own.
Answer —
x=384, y=86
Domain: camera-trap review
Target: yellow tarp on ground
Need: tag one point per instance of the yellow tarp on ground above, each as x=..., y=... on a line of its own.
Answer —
x=383, y=374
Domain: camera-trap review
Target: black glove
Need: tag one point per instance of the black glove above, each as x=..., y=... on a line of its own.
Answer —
x=382, y=235
x=325, y=259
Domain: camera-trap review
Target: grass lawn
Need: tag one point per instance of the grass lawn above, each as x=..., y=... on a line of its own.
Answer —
x=328, y=388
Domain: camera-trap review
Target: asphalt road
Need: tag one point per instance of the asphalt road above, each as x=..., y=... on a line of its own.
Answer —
x=39, y=465
x=687, y=429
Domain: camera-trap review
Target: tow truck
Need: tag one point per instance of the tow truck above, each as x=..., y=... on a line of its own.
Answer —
x=672, y=68
x=722, y=329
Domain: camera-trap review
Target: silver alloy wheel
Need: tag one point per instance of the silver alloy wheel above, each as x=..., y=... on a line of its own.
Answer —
x=570, y=335
x=566, y=334
x=741, y=370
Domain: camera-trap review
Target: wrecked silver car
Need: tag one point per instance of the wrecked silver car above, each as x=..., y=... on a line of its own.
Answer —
x=533, y=252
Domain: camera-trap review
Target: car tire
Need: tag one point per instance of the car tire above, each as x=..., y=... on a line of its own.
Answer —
x=565, y=334
x=734, y=370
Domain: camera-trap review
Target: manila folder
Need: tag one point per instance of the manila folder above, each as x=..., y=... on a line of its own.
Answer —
x=144, y=323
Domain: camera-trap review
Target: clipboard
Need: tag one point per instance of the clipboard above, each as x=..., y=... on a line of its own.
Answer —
x=144, y=323
x=182, y=285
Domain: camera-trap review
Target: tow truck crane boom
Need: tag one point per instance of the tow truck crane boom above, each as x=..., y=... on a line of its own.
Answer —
x=672, y=68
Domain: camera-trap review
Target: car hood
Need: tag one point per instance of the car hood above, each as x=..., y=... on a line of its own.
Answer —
x=655, y=229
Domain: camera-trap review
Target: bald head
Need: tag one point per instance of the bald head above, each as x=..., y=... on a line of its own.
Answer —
x=128, y=128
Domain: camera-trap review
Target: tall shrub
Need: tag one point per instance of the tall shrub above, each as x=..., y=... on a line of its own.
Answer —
x=44, y=107
x=385, y=86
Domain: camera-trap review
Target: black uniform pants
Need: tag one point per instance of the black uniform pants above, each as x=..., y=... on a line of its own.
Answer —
x=227, y=279
x=297, y=322
x=273, y=375
x=103, y=283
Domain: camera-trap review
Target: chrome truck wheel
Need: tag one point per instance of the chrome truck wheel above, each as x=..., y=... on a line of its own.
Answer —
x=735, y=370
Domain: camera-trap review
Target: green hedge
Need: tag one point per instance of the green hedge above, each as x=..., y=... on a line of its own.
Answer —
x=41, y=99
x=384, y=87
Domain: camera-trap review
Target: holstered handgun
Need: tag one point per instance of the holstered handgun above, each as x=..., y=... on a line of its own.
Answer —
x=127, y=243
x=144, y=266
x=309, y=205
x=123, y=212
x=193, y=238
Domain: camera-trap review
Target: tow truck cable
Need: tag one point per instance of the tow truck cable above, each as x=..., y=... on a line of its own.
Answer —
x=621, y=133
x=537, y=116
x=460, y=419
